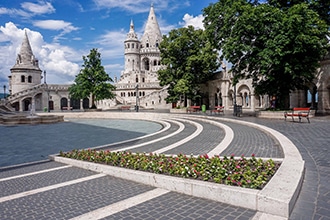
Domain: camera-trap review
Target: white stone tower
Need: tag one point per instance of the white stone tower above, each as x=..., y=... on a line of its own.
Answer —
x=132, y=51
x=26, y=72
x=139, y=80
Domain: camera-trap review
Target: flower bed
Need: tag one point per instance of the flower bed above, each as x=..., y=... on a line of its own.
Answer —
x=248, y=173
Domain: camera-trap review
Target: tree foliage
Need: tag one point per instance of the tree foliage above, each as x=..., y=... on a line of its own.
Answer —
x=278, y=44
x=189, y=60
x=92, y=80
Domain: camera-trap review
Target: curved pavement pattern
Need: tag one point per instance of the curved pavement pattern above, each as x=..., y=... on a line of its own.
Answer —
x=60, y=190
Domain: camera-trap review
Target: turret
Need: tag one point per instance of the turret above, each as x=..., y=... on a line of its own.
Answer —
x=132, y=51
x=26, y=72
x=150, y=54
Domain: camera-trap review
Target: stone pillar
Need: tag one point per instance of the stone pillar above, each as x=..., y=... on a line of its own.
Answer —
x=252, y=102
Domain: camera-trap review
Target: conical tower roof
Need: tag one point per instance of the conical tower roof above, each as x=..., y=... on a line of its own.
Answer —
x=25, y=58
x=152, y=34
x=131, y=34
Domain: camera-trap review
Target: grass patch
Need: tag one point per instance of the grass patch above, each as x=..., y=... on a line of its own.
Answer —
x=243, y=172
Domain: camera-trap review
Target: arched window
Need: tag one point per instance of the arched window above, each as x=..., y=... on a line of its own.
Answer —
x=30, y=79
x=157, y=44
x=127, y=45
x=22, y=78
x=155, y=62
x=143, y=79
x=133, y=46
x=146, y=64
x=147, y=45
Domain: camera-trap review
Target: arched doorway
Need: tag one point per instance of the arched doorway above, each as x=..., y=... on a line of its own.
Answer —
x=27, y=102
x=64, y=102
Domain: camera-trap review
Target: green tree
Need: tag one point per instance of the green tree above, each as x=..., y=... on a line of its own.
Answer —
x=92, y=80
x=189, y=59
x=278, y=47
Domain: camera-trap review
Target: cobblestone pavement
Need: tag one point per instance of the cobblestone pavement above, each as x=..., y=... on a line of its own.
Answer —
x=50, y=190
x=313, y=143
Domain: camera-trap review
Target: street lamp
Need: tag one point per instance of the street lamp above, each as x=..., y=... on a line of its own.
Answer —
x=47, y=90
x=4, y=92
x=137, y=98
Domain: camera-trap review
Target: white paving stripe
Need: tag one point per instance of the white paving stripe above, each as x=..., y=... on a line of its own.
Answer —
x=122, y=205
x=34, y=173
x=166, y=127
x=47, y=188
x=181, y=128
x=195, y=134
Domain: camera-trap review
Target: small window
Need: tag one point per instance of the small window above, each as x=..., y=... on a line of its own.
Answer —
x=147, y=45
x=136, y=79
x=157, y=44
x=133, y=46
x=143, y=79
x=30, y=79
x=127, y=45
x=22, y=78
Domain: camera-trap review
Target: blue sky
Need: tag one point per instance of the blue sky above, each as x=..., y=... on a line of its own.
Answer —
x=62, y=31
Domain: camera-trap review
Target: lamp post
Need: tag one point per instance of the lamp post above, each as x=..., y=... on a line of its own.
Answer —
x=137, y=98
x=4, y=92
x=47, y=90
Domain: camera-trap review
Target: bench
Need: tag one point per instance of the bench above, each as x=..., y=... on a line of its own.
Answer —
x=66, y=108
x=298, y=112
x=194, y=108
x=218, y=109
x=125, y=107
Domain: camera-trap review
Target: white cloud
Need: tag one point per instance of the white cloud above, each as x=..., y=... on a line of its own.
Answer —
x=197, y=21
x=139, y=6
x=55, y=25
x=61, y=62
x=38, y=8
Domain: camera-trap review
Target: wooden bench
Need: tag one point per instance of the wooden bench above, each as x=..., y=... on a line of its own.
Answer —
x=67, y=108
x=218, y=109
x=125, y=107
x=194, y=108
x=298, y=112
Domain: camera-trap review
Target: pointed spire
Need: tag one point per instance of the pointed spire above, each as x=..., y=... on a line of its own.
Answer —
x=152, y=35
x=25, y=58
x=26, y=53
x=131, y=34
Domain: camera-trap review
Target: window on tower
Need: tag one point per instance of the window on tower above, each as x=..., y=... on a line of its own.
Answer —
x=146, y=64
x=147, y=45
x=22, y=78
x=133, y=46
x=30, y=79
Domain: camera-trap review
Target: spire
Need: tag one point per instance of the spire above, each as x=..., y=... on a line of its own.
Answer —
x=25, y=58
x=152, y=35
x=26, y=50
x=131, y=34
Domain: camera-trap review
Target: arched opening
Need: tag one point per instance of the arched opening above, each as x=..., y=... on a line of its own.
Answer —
x=75, y=103
x=64, y=102
x=146, y=64
x=27, y=103
x=22, y=78
x=29, y=79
